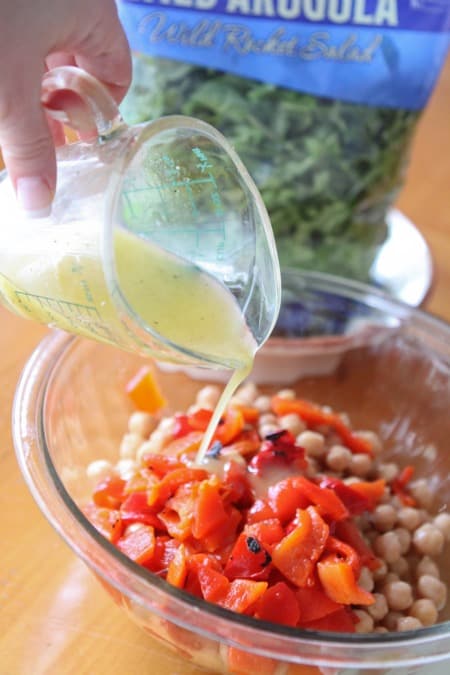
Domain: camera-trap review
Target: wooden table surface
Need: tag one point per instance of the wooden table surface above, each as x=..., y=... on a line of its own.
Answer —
x=54, y=618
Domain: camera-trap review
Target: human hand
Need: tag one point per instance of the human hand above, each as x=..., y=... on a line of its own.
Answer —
x=40, y=35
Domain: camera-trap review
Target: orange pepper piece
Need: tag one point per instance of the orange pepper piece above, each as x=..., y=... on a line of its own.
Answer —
x=230, y=426
x=338, y=580
x=372, y=490
x=144, y=391
x=177, y=570
x=296, y=555
x=209, y=510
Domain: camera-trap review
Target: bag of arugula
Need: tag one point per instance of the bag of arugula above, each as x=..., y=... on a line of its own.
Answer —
x=320, y=99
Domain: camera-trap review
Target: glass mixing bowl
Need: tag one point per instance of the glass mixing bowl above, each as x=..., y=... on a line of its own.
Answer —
x=385, y=364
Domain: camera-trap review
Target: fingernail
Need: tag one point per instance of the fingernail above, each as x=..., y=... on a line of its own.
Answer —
x=34, y=195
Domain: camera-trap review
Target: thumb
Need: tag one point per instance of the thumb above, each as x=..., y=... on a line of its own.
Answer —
x=26, y=142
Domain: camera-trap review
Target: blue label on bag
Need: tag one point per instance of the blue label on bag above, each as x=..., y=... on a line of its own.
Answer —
x=378, y=52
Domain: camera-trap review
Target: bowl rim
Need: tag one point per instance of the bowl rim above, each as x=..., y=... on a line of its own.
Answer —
x=29, y=414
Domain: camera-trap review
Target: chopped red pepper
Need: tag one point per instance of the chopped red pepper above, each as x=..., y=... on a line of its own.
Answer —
x=209, y=509
x=279, y=604
x=399, y=486
x=355, y=502
x=139, y=545
x=371, y=490
x=230, y=426
x=135, y=509
x=278, y=449
x=285, y=498
x=107, y=521
x=338, y=580
x=341, y=621
x=347, y=531
x=110, y=492
x=248, y=559
x=297, y=554
x=315, y=603
x=327, y=501
x=315, y=416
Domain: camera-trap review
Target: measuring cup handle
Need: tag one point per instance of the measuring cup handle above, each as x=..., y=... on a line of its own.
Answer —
x=73, y=97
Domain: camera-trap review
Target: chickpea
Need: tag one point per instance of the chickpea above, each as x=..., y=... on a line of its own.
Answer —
x=247, y=393
x=288, y=394
x=400, y=567
x=409, y=518
x=380, y=608
x=391, y=620
x=313, y=443
x=366, y=579
x=398, y=594
x=99, y=469
x=422, y=493
x=428, y=539
x=442, y=522
x=425, y=610
x=338, y=458
x=432, y=588
x=141, y=423
x=126, y=468
x=262, y=403
x=380, y=629
x=380, y=572
x=404, y=538
x=208, y=397
x=360, y=465
x=427, y=566
x=267, y=429
x=129, y=445
x=388, y=471
x=267, y=418
x=372, y=438
x=384, y=517
x=387, y=546
x=408, y=623
x=365, y=621
x=292, y=423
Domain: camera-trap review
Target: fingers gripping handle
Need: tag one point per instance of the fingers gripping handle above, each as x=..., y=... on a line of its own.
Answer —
x=73, y=97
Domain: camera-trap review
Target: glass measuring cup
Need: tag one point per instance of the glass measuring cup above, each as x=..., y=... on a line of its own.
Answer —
x=153, y=229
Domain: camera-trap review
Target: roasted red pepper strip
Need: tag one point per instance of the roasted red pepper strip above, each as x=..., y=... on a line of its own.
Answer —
x=371, y=490
x=297, y=554
x=285, y=498
x=355, y=502
x=279, y=448
x=110, y=492
x=209, y=509
x=342, y=621
x=248, y=559
x=347, y=531
x=135, y=509
x=338, y=581
x=139, y=545
x=327, y=501
x=230, y=426
x=279, y=604
x=315, y=603
x=399, y=485
x=315, y=416
x=159, y=493
x=107, y=521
